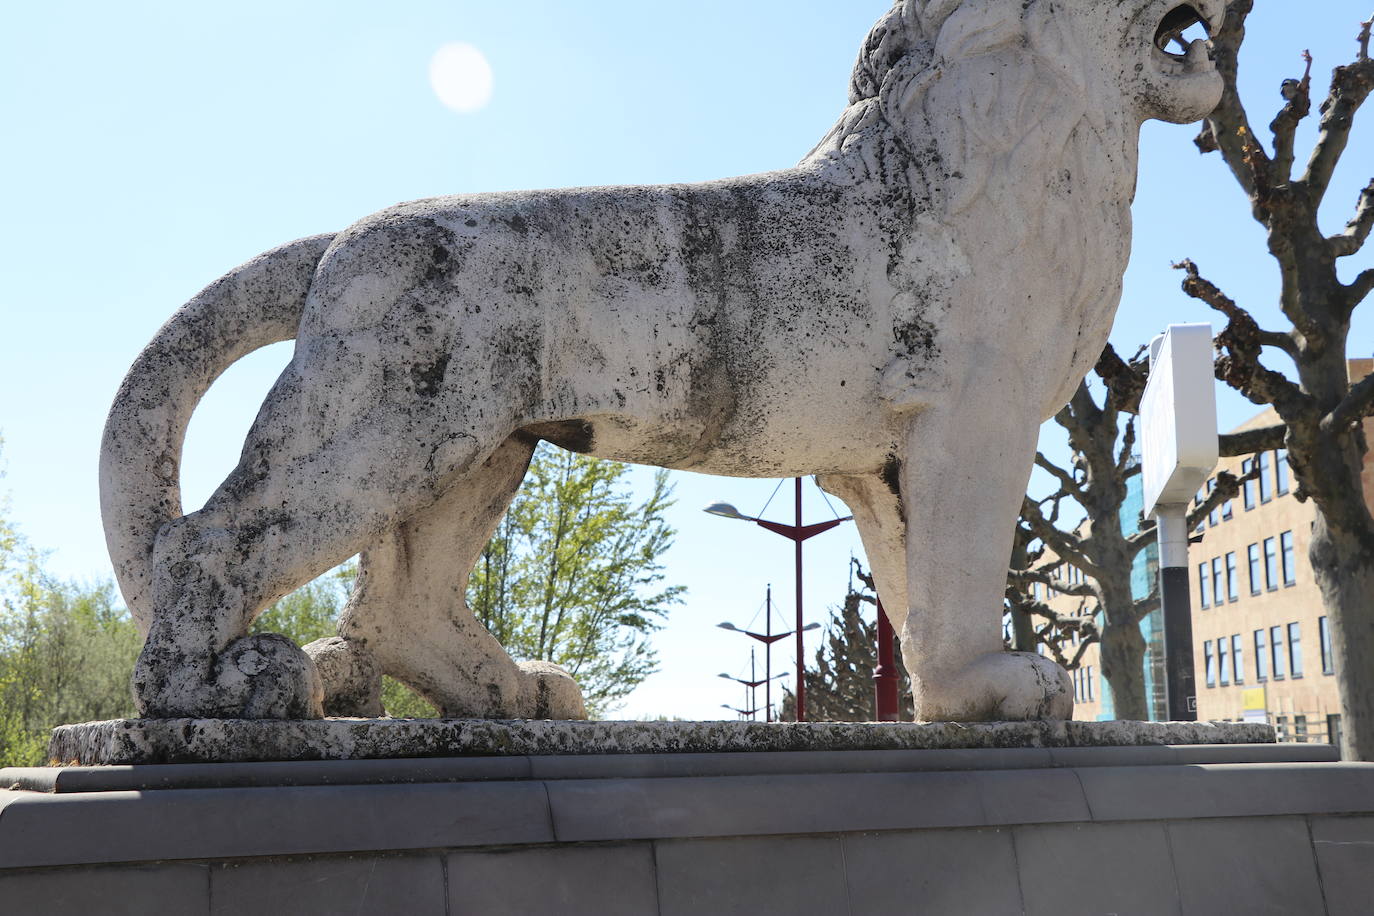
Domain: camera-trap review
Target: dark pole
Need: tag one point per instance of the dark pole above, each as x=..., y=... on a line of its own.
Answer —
x=885, y=675
x=768, y=654
x=801, y=656
x=1180, y=679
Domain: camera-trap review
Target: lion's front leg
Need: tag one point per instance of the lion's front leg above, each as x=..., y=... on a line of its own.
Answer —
x=962, y=489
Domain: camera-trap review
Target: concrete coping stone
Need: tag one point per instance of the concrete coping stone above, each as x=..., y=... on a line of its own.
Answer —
x=167, y=741
x=149, y=777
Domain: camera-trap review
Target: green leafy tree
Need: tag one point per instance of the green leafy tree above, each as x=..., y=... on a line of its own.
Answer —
x=573, y=574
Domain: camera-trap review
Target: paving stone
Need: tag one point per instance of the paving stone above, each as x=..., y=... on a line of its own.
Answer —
x=799, y=876
x=113, y=890
x=1252, y=865
x=1345, y=859
x=327, y=886
x=1068, y=869
x=936, y=872
x=568, y=881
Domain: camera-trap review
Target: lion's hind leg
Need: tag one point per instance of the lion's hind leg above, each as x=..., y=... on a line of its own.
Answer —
x=330, y=465
x=409, y=618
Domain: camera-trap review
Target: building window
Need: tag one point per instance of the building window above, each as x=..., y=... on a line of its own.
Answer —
x=1290, y=572
x=1295, y=649
x=1281, y=727
x=1218, y=583
x=1247, y=489
x=1253, y=554
x=1261, y=657
x=1266, y=483
x=1210, y=666
x=1088, y=680
x=1324, y=635
x=1232, y=578
x=1203, y=592
x=1237, y=659
x=1223, y=661
x=1271, y=565
x=1199, y=498
x=1212, y=520
x=1300, y=729
x=1333, y=730
x=1281, y=471
x=1276, y=652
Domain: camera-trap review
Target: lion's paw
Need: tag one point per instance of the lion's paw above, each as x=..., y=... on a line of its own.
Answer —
x=264, y=676
x=999, y=687
x=547, y=691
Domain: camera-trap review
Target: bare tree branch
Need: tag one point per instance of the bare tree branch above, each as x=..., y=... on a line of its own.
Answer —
x=1028, y=576
x=1357, y=230
x=1227, y=488
x=1064, y=545
x=1252, y=441
x=1350, y=86
x=1068, y=486
x=1285, y=125
x=1360, y=287
x=1242, y=338
x=1125, y=381
x=1355, y=406
x=1228, y=126
x=1126, y=453
x=1145, y=606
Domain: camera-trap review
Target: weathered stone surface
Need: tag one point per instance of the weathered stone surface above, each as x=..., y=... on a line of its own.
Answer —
x=130, y=741
x=917, y=295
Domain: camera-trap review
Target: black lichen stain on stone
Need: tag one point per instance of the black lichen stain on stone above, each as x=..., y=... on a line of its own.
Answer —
x=916, y=338
x=428, y=380
x=892, y=475
x=517, y=223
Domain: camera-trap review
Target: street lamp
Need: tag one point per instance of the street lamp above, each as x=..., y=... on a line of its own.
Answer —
x=797, y=533
x=767, y=637
x=754, y=681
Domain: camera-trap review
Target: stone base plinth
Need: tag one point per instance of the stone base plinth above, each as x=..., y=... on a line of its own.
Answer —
x=1182, y=828
x=149, y=741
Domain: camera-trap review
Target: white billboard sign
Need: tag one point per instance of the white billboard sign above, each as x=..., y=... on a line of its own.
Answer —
x=1178, y=416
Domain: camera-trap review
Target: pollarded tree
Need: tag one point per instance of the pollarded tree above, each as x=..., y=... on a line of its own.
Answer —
x=1320, y=410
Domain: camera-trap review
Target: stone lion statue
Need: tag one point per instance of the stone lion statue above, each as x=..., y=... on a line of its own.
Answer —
x=896, y=314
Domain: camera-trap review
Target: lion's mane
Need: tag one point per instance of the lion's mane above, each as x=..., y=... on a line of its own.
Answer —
x=1015, y=143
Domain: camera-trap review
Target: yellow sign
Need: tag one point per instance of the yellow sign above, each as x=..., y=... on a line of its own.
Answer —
x=1253, y=699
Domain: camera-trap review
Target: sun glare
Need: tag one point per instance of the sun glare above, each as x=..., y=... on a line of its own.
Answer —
x=460, y=77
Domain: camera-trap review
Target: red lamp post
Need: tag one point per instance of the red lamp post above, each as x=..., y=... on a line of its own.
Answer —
x=885, y=675
x=797, y=533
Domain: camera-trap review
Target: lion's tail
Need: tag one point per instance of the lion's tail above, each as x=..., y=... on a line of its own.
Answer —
x=257, y=304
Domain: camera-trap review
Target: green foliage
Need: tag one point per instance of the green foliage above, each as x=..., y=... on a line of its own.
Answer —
x=66, y=651
x=573, y=575
x=311, y=611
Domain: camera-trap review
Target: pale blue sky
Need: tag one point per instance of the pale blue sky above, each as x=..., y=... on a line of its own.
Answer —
x=153, y=146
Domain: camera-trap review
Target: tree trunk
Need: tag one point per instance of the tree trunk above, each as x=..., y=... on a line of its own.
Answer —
x=1123, y=665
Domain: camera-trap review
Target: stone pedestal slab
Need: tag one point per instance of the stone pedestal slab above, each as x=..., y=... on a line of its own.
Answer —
x=151, y=741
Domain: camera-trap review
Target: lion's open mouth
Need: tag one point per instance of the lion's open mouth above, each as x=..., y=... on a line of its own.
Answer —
x=1173, y=35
